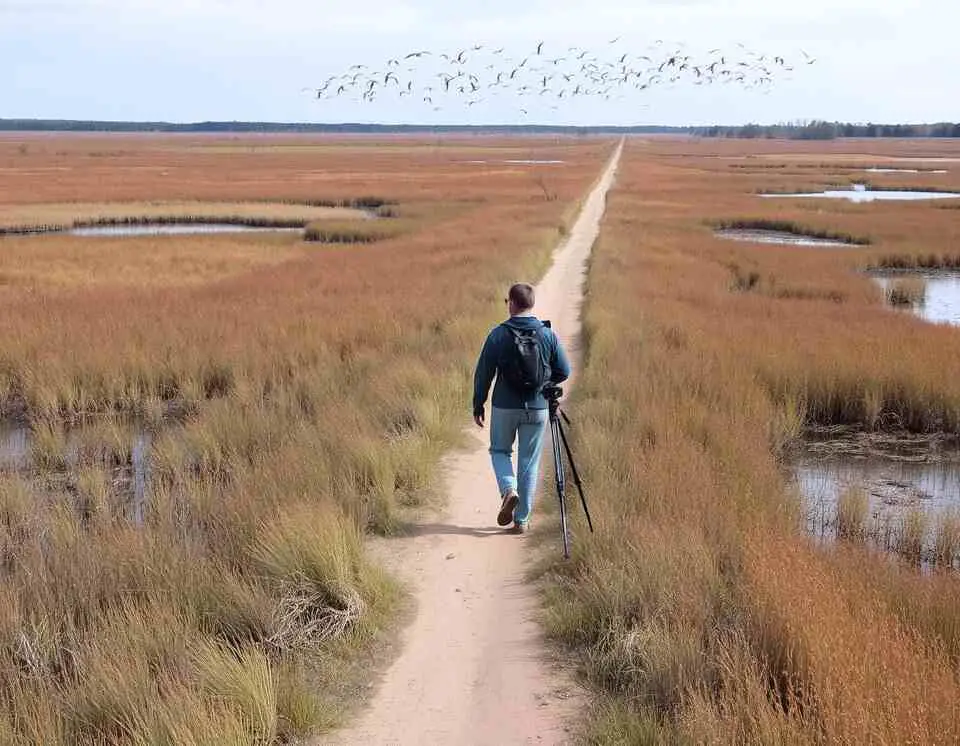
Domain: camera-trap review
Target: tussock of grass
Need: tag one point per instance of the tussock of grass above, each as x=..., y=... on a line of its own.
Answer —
x=355, y=231
x=852, y=514
x=947, y=539
x=246, y=682
x=751, y=281
x=906, y=292
x=311, y=555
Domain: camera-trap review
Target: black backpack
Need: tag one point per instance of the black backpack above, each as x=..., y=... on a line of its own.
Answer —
x=524, y=364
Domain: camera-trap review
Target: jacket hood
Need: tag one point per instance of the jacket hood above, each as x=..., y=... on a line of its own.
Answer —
x=523, y=322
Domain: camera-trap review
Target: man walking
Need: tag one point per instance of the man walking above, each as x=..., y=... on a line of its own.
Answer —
x=525, y=355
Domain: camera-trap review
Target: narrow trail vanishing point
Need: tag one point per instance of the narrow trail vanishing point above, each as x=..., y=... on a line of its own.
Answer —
x=473, y=667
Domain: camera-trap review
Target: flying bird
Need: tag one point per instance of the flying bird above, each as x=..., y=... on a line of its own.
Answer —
x=585, y=73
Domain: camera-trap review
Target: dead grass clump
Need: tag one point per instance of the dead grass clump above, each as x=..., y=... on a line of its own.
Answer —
x=744, y=281
x=853, y=513
x=245, y=682
x=947, y=539
x=911, y=537
x=366, y=231
x=906, y=292
x=313, y=556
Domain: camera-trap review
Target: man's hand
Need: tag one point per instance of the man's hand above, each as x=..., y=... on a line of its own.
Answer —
x=478, y=418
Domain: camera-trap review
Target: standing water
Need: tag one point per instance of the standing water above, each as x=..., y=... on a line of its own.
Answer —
x=140, y=462
x=127, y=459
x=171, y=229
x=14, y=447
x=893, y=492
x=861, y=194
x=933, y=296
x=878, y=170
x=777, y=237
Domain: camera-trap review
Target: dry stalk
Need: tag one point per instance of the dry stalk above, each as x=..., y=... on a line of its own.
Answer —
x=304, y=617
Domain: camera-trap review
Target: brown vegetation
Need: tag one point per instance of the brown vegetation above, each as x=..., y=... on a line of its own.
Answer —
x=294, y=396
x=699, y=607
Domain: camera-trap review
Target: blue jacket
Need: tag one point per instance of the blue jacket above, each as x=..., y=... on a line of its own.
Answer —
x=503, y=396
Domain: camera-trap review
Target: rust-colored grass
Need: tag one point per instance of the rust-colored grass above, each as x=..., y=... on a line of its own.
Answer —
x=294, y=394
x=59, y=263
x=699, y=607
x=68, y=214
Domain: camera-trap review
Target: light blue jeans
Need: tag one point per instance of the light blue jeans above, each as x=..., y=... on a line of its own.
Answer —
x=527, y=427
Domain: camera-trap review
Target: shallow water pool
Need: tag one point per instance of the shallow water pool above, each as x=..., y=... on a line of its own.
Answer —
x=868, y=195
x=939, y=302
x=777, y=237
x=171, y=229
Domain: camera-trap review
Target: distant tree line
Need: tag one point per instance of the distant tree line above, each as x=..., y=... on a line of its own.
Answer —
x=823, y=130
x=813, y=130
x=69, y=125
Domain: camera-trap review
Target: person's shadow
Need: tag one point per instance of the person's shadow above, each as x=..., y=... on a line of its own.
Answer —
x=447, y=529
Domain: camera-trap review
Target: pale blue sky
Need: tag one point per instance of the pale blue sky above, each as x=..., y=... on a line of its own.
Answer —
x=190, y=60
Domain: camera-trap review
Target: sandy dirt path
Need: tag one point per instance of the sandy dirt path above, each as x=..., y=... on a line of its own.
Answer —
x=473, y=668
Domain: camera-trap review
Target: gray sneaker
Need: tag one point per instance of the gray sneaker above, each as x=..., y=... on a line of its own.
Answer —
x=521, y=527
x=509, y=504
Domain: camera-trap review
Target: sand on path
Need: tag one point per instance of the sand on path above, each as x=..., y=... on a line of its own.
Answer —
x=473, y=666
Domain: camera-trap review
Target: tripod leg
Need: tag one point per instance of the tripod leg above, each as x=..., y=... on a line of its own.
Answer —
x=576, y=474
x=556, y=439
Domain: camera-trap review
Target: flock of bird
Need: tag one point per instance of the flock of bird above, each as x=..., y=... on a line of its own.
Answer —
x=469, y=76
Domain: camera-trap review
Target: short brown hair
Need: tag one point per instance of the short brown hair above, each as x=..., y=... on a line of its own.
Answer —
x=522, y=296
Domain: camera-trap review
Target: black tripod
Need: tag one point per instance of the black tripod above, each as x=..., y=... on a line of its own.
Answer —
x=552, y=393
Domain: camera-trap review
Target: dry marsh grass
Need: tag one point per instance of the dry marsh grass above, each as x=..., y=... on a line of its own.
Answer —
x=906, y=291
x=295, y=396
x=86, y=213
x=699, y=611
x=54, y=264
